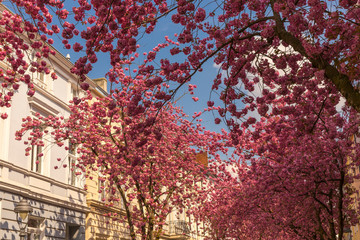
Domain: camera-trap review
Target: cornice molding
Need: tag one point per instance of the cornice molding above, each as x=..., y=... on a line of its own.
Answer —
x=25, y=191
x=35, y=102
x=101, y=206
x=50, y=96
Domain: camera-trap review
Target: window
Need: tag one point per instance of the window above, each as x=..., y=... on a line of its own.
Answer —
x=73, y=178
x=74, y=91
x=72, y=232
x=39, y=77
x=36, y=158
x=37, y=154
x=101, y=188
x=72, y=175
x=114, y=199
x=72, y=148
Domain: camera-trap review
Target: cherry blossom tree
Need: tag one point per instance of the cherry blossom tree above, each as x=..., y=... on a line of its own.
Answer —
x=145, y=157
x=293, y=176
x=291, y=61
x=302, y=38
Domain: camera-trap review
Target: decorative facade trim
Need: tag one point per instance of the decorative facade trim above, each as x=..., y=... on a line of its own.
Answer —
x=43, y=188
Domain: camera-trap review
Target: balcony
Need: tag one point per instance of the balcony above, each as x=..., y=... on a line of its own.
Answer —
x=177, y=230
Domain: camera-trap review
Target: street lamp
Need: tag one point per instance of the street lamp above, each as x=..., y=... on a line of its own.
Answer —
x=22, y=210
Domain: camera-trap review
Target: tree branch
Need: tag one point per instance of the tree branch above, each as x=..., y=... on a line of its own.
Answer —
x=341, y=81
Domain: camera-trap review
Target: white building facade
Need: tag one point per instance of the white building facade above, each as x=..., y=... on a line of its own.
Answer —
x=56, y=195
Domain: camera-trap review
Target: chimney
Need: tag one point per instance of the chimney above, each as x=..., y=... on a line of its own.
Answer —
x=101, y=82
x=202, y=158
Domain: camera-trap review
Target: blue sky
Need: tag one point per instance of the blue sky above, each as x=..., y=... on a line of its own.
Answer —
x=203, y=79
x=165, y=27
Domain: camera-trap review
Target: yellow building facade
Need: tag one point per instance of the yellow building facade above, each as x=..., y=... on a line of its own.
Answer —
x=354, y=232
x=98, y=225
x=101, y=226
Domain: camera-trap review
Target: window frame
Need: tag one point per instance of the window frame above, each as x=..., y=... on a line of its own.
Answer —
x=34, y=156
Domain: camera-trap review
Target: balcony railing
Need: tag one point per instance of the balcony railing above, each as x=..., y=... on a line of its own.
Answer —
x=179, y=227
